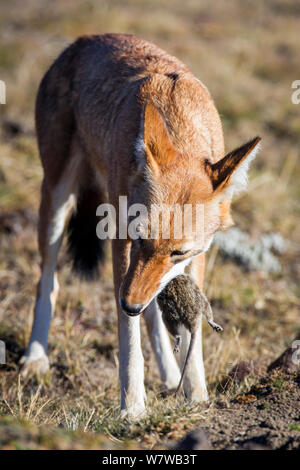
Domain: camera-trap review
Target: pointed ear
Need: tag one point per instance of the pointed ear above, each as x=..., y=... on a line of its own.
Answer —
x=154, y=140
x=231, y=171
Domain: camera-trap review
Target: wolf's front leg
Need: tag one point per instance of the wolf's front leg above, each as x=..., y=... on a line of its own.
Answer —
x=194, y=384
x=168, y=367
x=131, y=362
x=131, y=365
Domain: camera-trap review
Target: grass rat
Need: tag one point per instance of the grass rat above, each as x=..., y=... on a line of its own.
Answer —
x=182, y=303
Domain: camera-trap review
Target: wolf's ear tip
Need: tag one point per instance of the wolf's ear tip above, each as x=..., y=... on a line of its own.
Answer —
x=255, y=142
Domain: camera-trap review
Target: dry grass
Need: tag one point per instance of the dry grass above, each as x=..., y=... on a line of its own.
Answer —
x=248, y=55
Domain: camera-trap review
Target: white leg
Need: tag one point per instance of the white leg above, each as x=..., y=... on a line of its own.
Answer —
x=168, y=367
x=37, y=349
x=131, y=367
x=194, y=384
x=53, y=213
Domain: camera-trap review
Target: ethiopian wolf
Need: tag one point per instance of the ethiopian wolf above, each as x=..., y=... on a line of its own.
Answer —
x=117, y=116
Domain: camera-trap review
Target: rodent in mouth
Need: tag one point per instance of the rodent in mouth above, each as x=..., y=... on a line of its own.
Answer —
x=182, y=303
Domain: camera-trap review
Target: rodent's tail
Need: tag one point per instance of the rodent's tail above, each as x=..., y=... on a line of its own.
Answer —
x=186, y=362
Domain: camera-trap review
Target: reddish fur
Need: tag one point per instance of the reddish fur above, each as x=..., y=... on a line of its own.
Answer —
x=183, y=134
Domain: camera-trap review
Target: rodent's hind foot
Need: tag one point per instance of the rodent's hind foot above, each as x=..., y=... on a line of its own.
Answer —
x=177, y=344
x=215, y=326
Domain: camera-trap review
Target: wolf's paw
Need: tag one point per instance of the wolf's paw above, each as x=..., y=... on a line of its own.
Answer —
x=197, y=395
x=134, y=412
x=30, y=367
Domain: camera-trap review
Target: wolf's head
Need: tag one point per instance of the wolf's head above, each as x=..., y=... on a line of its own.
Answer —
x=187, y=200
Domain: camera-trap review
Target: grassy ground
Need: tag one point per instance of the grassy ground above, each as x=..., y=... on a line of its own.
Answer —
x=248, y=54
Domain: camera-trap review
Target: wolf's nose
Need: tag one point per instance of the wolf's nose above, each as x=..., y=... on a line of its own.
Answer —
x=131, y=310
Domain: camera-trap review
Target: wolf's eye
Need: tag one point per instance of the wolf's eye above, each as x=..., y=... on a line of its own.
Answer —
x=178, y=253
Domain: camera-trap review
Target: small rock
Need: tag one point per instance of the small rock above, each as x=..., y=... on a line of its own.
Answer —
x=222, y=403
x=195, y=440
x=252, y=445
x=286, y=362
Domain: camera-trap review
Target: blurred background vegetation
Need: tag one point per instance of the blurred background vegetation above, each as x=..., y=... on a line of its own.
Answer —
x=248, y=55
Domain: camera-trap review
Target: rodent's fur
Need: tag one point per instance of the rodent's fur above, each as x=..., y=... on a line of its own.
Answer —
x=182, y=303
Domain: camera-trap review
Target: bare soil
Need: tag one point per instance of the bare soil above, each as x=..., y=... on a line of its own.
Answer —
x=268, y=416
